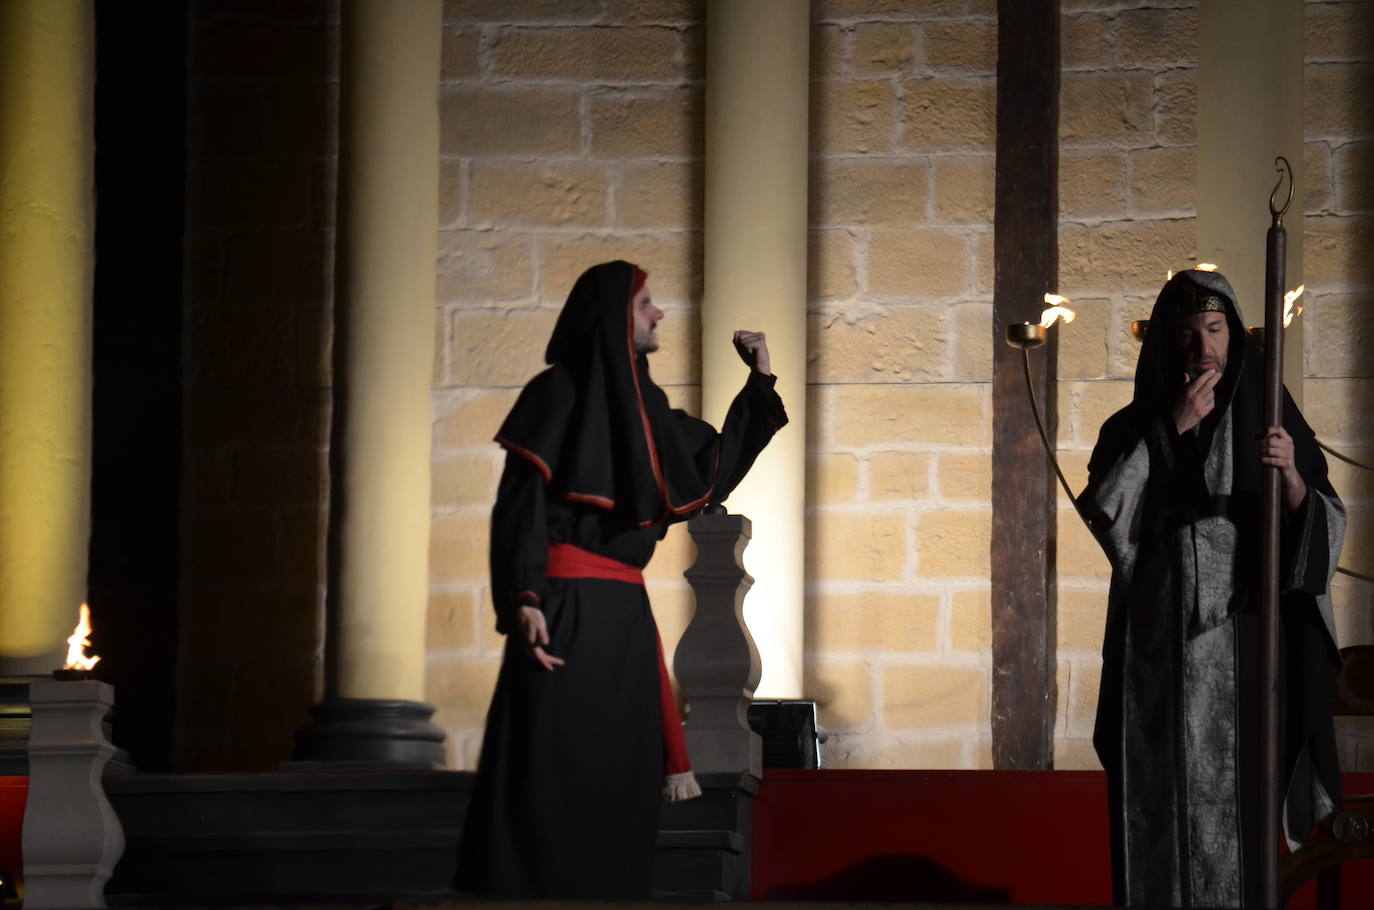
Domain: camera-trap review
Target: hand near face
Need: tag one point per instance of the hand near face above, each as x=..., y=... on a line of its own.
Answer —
x=753, y=350
x=1276, y=451
x=534, y=635
x=1196, y=401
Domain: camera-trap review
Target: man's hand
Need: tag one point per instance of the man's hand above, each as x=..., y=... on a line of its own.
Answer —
x=753, y=350
x=1196, y=401
x=1276, y=451
x=534, y=635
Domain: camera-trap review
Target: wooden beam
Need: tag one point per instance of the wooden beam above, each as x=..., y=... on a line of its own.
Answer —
x=1025, y=254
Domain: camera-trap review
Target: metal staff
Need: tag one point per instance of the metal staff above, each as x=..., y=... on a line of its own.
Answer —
x=1276, y=244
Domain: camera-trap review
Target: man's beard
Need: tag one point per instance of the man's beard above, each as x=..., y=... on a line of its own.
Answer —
x=645, y=342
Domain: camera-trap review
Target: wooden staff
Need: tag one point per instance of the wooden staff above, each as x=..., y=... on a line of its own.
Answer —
x=1270, y=799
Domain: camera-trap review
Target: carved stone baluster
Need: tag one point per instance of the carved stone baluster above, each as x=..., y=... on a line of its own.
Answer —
x=716, y=661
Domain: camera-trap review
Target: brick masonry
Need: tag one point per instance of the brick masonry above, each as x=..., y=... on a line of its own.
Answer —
x=572, y=133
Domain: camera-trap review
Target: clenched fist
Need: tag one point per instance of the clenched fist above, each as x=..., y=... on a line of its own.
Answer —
x=753, y=350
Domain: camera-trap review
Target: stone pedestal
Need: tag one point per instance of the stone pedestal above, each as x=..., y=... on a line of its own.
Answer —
x=72, y=839
x=371, y=732
x=716, y=661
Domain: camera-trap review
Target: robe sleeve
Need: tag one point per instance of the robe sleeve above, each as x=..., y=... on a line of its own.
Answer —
x=519, y=541
x=754, y=416
x=1118, y=475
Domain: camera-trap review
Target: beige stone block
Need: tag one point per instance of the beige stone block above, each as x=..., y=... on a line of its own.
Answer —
x=1092, y=184
x=1082, y=619
x=898, y=476
x=503, y=11
x=659, y=123
x=948, y=114
x=1079, y=555
x=657, y=12
x=498, y=347
x=1338, y=31
x=973, y=342
x=596, y=54
x=659, y=195
x=1353, y=484
x=1163, y=180
x=478, y=268
x=961, y=47
x=1083, y=342
x=465, y=480
x=562, y=194
x=936, y=753
x=857, y=546
x=1087, y=41
x=1093, y=403
x=1124, y=256
x=1085, y=678
x=1157, y=37
x=832, y=272
x=895, y=344
x=1354, y=184
x=509, y=121
x=490, y=641
x=1104, y=108
x=964, y=188
x=1318, y=183
x=953, y=543
x=673, y=261
x=459, y=54
x=829, y=51
x=1338, y=410
x=831, y=479
x=917, y=263
x=458, y=547
x=461, y=690
x=472, y=420
x=882, y=49
x=970, y=620
x=859, y=191
x=1352, y=612
x=1338, y=336
x=962, y=476
x=843, y=692
x=983, y=263
x=932, y=414
x=924, y=697
x=1175, y=114
x=873, y=621
x=1336, y=248
x=450, y=621
x=852, y=118
x=452, y=196
x=1075, y=753
x=1336, y=96
x=896, y=10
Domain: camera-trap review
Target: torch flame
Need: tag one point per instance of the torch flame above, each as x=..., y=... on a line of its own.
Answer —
x=1201, y=267
x=1289, y=299
x=1055, y=309
x=77, y=659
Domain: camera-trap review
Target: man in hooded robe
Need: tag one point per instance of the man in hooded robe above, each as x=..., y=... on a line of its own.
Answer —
x=582, y=735
x=1174, y=497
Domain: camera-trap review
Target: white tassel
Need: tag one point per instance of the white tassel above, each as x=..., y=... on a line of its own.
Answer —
x=679, y=787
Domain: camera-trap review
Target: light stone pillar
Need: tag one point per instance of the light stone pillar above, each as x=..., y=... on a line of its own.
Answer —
x=384, y=354
x=757, y=83
x=47, y=224
x=1250, y=99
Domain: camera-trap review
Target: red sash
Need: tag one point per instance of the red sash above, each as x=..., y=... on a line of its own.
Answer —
x=568, y=561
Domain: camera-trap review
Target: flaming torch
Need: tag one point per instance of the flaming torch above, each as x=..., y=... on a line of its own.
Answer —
x=79, y=664
x=1027, y=335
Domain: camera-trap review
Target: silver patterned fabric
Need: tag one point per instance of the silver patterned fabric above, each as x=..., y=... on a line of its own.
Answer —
x=1167, y=726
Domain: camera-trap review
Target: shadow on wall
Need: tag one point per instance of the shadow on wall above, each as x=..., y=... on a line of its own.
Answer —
x=893, y=878
x=256, y=348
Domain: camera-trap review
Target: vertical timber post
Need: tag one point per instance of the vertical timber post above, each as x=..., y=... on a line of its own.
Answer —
x=1025, y=254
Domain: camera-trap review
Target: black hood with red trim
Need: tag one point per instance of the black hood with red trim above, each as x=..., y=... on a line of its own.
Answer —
x=594, y=423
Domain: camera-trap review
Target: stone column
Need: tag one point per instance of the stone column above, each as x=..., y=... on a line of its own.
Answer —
x=383, y=359
x=757, y=84
x=1250, y=109
x=47, y=225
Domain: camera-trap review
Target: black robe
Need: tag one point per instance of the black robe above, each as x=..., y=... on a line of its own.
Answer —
x=1179, y=519
x=567, y=796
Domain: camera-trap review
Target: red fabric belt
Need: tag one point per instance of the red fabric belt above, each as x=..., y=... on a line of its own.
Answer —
x=568, y=561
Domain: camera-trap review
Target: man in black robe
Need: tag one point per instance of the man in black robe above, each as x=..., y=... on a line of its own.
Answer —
x=1174, y=497
x=582, y=730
